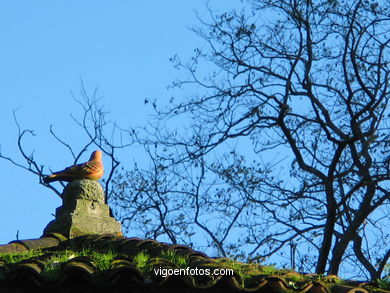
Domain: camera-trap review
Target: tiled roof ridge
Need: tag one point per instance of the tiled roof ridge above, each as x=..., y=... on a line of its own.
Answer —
x=49, y=240
x=78, y=270
x=132, y=245
x=82, y=268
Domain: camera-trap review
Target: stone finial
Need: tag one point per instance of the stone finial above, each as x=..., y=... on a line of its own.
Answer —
x=83, y=211
x=83, y=189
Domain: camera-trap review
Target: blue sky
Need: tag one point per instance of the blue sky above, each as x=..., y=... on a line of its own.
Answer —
x=46, y=47
x=123, y=47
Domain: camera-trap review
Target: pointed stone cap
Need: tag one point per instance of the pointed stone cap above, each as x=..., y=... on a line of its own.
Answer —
x=83, y=211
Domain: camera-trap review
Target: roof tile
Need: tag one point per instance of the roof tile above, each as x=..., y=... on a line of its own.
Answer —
x=74, y=272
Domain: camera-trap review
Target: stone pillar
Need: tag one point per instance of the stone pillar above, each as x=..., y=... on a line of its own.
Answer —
x=83, y=211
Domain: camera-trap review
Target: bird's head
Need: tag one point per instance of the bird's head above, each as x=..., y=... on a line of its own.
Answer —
x=96, y=156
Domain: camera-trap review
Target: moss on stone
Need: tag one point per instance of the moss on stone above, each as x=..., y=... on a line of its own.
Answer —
x=83, y=212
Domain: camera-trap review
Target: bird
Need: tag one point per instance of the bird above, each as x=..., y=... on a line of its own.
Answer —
x=93, y=170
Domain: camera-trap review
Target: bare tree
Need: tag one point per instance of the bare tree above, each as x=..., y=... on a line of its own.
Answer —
x=292, y=128
x=99, y=133
x=175, y=204
x=284, y=143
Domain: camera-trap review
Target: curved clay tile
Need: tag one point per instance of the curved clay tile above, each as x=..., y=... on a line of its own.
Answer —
x=18, y=246
x=82, y=263
x=82, y=274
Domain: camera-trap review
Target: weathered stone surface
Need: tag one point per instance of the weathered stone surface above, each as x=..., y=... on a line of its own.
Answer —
x=83, y=212
x=83, y=207
x=83, y=189
x=72, y=226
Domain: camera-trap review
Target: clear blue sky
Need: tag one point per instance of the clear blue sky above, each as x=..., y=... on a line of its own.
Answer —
x=123, y=47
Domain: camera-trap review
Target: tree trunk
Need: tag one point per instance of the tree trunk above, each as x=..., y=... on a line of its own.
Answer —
x=328, y=233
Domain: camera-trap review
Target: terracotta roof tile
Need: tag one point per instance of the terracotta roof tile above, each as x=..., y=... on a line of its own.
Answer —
x=48, y=272
x=50, y=240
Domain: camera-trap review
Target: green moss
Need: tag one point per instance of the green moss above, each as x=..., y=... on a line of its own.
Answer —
x=103, y=261
x=383, y=283
x=54, y=260
x=333, y=279
x=141, y=261
x=145, y=263
x=245, y=269
x=248, y=274
x=13, y=258
x=294, y=278
x=269, y=270
x=173, y=257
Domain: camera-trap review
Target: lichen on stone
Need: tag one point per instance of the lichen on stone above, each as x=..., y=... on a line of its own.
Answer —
x=83, y=211
x=84, y=189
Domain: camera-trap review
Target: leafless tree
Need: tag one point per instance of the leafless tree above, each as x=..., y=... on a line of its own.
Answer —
x=98, y=133
x=283, y=142
x=286, y=141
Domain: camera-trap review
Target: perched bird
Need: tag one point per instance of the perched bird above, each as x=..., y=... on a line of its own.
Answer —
x=93, y=169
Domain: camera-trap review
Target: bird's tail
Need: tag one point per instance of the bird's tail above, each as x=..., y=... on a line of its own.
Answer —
x=50, y=178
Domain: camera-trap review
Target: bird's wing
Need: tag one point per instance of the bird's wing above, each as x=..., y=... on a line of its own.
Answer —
x=93, y=169
x=83, y=169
